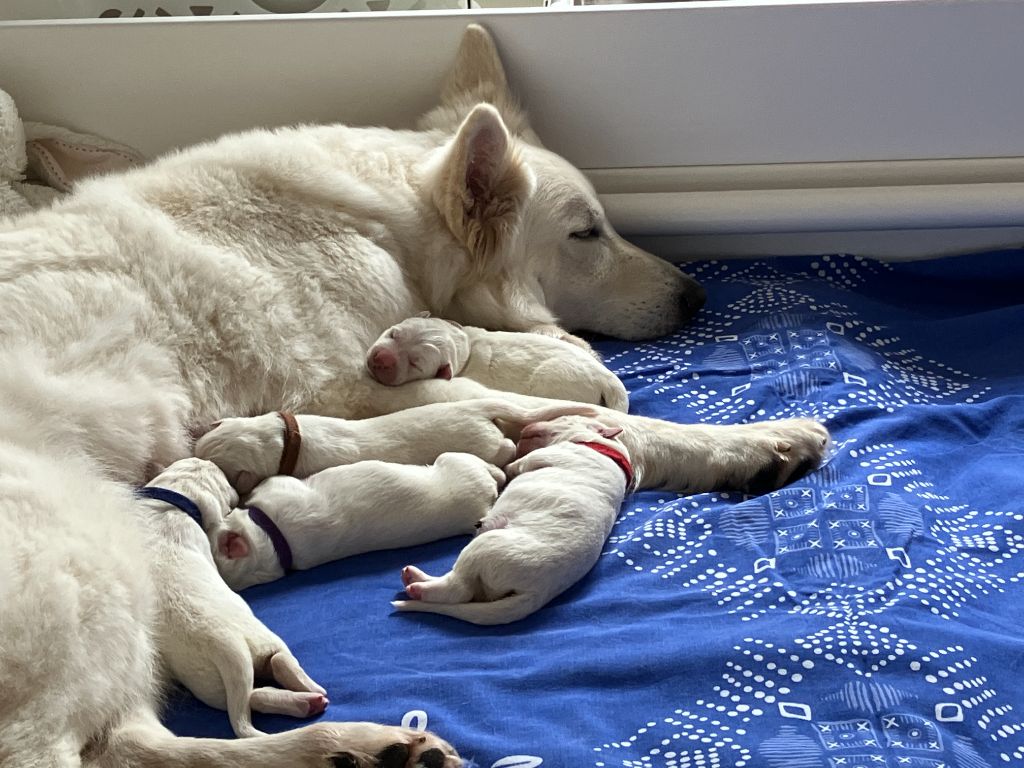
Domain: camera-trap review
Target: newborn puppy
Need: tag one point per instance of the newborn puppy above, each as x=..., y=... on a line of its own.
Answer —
x=208, y=637
x=343, y=511
x=250, y=449
x=528, y=363
x=544, y=533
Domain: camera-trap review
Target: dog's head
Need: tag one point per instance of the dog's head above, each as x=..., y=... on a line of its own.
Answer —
x=521, y=210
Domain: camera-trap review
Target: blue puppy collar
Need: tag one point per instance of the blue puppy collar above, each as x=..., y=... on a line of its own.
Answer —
x=175, y=499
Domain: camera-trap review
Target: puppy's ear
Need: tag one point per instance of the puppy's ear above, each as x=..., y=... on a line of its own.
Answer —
x=477, y=75
x=482, y=187
x=233, y=546
x=424, y=313
x=444, y=372
x=610, y=432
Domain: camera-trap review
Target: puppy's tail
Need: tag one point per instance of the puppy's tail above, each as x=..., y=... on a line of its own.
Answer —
x=508, y=609
x=234, y=665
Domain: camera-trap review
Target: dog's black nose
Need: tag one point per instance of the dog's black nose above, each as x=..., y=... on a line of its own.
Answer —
x=692, y=298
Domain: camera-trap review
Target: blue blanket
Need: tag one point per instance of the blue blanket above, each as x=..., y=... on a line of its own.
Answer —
x=869, y=615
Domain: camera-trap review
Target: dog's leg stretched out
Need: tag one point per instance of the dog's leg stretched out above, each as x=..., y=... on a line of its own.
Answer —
x=686, y=458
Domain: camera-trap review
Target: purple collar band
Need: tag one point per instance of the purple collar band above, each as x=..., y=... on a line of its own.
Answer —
x=284, y=552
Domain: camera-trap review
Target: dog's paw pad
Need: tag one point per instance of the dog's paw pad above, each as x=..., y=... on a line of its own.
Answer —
x=393, y=756
x=316, y=704
x=344, y=760
x=432, y=758
x=414, y=590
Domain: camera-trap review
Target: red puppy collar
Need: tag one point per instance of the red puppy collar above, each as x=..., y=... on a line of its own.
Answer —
x=616, y=456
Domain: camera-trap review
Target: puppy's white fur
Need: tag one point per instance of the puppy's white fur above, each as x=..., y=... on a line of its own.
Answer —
x=541, y=537
x=249, y=449
x=344, y=511
x=528, y=363
x=208, y=637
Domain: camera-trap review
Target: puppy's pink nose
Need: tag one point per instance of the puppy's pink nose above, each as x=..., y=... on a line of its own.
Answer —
x=384, y=365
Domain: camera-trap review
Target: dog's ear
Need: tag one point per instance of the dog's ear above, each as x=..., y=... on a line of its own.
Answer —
x=444, y=372
x=610, y=432
x=482, y=186
x=424, y=313
x=477, y=76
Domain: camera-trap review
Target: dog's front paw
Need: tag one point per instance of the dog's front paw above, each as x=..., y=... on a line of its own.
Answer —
x=390, y=747
x=785, y=451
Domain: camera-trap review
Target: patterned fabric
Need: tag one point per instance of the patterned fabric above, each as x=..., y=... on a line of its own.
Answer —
x=869, y=615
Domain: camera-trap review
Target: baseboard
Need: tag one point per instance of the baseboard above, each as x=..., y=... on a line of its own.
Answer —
x=897, y=209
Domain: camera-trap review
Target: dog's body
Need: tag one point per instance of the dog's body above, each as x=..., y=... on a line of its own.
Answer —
x=422, y=348
x=247, y=275
x=348, y=510
x=541, y=537
x=208, y=637
x=249, y=450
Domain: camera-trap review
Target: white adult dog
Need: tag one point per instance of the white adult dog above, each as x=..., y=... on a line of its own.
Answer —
x=251, y=274
x=528, y=363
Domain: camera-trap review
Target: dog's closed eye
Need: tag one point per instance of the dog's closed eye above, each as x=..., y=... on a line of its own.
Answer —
x=592, y=233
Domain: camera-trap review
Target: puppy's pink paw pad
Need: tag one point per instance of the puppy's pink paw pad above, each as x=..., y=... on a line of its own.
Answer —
x=316, y=704
x=414, y=591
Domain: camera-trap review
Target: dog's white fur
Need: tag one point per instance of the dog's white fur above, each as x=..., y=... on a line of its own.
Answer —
x=247, y=275
x=248, y=450
x=348, y=510
x=541, y=537
x=528, y=363
x=208, y=637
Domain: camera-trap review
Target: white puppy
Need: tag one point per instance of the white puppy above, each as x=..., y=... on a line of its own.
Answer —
x=425, y=347
x=342, y=511
x=249, y=450
x=544, y=533
x=208, y=637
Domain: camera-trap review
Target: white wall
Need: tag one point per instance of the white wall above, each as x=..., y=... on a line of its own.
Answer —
x=665, y=93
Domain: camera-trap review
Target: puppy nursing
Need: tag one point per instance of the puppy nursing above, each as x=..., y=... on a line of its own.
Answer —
x=544, y=533
x=249, y=450
x=208, y=637
x=526, y=363
x=342, y=511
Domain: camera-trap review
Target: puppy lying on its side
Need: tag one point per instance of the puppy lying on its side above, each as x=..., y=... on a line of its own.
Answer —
x=343, y=511
x=249, y=450
x=209, y=638
x=431, y=348
x=544, y=533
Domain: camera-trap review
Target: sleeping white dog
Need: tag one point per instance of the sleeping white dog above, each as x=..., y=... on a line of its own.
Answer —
x=544, y=533
x=249, y=450
x=426, y=347
x=298, y=524
x=208, y=637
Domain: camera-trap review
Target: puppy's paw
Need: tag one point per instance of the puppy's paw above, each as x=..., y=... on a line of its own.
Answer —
x=785, y=451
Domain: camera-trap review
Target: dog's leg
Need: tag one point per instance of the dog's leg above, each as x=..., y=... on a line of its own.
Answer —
x=288, y=673
x=277, y=701
x=695, y=458
x=145, y=743
x=687, y=458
